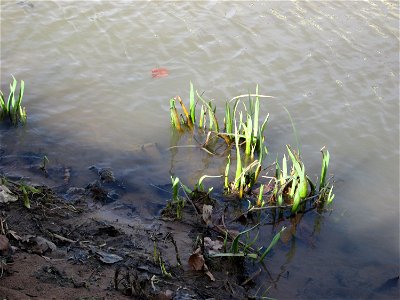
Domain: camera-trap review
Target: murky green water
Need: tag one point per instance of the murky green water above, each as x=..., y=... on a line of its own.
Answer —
x=334, y=65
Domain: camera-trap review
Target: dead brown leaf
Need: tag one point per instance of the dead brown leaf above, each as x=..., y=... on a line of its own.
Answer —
x=36, y=244
x=42, y=245
x=196, y=260
x=197, y=263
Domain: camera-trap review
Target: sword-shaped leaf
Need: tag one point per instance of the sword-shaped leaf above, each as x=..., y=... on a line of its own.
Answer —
x=273, y=243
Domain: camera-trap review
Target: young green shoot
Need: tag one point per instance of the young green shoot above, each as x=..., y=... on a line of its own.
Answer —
x=324, y=168
x=238, y=160
x=272, y=244
x=330, y=197
x=236, y=241
x=260, y=202
x=178, y=201
x=192, y=104
x=248, y=133
x=299, y=188
x=199, y=185
x=211, y=113
x=12, y=108
x=227, y=167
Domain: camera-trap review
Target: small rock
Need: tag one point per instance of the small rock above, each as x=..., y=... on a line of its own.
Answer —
x=42, y=245
x=169, y=294
x=106, y=174
x=6, y=195
x=37, y=244
x=108, y=258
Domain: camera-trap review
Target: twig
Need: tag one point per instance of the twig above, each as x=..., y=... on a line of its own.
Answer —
x=64, y=239
x=2, y=222
x=218, y=229
x=190, y=201
x=184, y=146
x=176, y=248
x=272, y=207
x=251, y=277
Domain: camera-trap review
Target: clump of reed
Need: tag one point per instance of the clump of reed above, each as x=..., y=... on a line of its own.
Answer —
x=12, y=107
x=242, y=130
x=178, y=202
x=288, y=192
x=245, y=133
x=249, y=131
x=293, y=186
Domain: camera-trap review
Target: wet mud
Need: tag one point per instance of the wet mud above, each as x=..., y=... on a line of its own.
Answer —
x=63, y=243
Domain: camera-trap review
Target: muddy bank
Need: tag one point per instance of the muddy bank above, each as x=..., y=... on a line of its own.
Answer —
x=87, y=238
x=59, y=249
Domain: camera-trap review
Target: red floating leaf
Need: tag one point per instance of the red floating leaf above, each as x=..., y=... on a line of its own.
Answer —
x=159, y=72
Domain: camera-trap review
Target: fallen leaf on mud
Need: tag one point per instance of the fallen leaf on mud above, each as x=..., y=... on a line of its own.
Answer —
x=159, y=72
x=197, y=263
x=108, y=258
x=42, y=245
x=35, y=244
x=207, y=211
x=196, y=260
x=6, y=195
x=4, y=246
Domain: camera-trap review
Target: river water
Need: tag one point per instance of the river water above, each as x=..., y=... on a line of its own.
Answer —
x=334, y=65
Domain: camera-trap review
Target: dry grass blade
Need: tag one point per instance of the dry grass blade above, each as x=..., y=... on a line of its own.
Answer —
x=188, y=117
